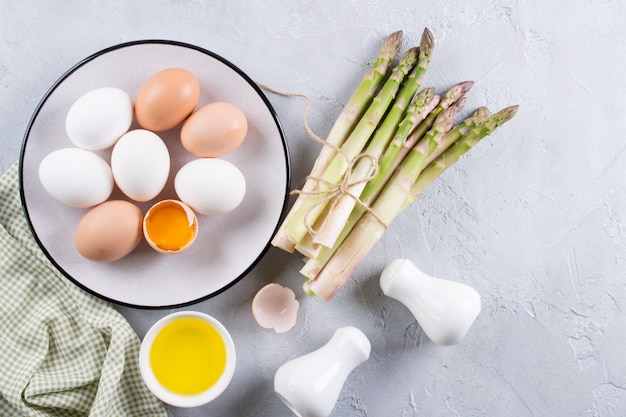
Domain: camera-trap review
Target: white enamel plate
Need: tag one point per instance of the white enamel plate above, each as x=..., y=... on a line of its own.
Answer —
x=228, y=245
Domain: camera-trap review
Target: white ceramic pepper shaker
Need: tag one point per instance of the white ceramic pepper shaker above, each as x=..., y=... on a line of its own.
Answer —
x=444, y=309
x=310, y=384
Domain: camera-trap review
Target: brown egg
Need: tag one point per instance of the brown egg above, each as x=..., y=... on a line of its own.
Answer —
x=109, y=231
x=166, y=99
x=214, y=130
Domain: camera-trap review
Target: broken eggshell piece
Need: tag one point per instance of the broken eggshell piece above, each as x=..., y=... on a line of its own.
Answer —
x=275, y=307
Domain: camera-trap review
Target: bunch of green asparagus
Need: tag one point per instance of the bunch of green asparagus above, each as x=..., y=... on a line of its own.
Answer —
x=390, y=142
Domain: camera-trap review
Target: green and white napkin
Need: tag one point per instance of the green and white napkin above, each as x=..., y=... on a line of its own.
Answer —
x=63, y=352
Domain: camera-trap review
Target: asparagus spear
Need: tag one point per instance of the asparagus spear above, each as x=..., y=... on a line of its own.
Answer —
x=370, y=229
x=349, y=117
x=342, y=206
x=314, y=203
x=372, y=225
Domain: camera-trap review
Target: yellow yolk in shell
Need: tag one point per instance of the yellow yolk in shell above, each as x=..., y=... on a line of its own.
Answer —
x=170, y=226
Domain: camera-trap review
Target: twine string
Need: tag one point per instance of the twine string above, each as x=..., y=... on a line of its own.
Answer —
x=332, y=190
x=305, y=120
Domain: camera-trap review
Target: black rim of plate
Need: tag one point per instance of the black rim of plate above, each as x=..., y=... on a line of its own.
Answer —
x=66, y=75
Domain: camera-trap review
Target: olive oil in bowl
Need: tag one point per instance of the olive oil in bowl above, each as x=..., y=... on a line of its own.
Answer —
x=187, y=359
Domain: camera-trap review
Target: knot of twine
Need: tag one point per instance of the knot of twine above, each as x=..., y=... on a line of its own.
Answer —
x=333, y=190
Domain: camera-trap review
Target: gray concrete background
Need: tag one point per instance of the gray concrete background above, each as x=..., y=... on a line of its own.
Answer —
x=533, y=217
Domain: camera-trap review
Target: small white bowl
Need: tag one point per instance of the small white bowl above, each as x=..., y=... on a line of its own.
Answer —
x=181, y=400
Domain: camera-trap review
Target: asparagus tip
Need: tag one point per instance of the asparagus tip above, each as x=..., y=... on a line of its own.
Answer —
x=481, y=112
x=506, y=114
x=455, y=93
x=427, y=43
x=466, y=86
x=513, y=109
x=412, y=52
x=392, y=44
x=497, y=120
x=408, y=59
x=425, y=95
x=397, y=35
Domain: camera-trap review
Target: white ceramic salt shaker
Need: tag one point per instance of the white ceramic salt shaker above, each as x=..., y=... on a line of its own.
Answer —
x=310, y=384
x=444, y=309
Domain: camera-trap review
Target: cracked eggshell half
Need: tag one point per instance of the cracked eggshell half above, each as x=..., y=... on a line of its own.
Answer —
x=275, y=307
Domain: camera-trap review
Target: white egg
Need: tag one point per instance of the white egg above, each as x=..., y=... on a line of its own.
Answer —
x=210, y=185
x=99, y=117
x=76, y=177
x=140, y=163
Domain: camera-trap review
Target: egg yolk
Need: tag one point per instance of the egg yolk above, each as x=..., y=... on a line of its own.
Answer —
x=169, y=226
x=188, y=356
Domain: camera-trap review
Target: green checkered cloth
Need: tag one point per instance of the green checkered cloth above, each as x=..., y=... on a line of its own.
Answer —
x=63, y=352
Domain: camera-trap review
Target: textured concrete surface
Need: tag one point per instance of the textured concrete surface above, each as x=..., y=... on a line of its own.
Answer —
x=534, y=218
